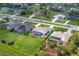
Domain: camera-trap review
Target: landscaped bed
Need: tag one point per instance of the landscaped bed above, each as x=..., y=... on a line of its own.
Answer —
x=43, y=25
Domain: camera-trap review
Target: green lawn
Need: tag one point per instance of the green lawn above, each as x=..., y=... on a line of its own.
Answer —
x=61, y=21
x=28, y=44
x=30, y=23
x=59, y=29
x=42, y=18
x=9, y=36
x=11, y=13
x=74, y=23
x=43, y=25
x=23, y=44
x=8, y=51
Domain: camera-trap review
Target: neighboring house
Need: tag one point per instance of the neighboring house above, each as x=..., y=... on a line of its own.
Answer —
x=3, y=26
x=54, y=7
x=49, y=7
x=24, y=28
x=59, y=16
x=57, y=7
x=12, y=25
x=40, y=32
x=19, y=27
x=6, y=9
x=60, y=37
x=70, y=17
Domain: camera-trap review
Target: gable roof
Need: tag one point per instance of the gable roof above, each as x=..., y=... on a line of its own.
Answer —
x=23, y=28
x=12, y=25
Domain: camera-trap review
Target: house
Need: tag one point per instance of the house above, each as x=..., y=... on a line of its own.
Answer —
x=73, y=9
x=49, y=7
x=16, y=10
x=71, y=17
x=3, y=26
x=12, y=25
x=40, y=32
x=60, y=37
x=4, y=9
x=24, y=28
x=57, y=8
x=54, y=7
x=59, y=16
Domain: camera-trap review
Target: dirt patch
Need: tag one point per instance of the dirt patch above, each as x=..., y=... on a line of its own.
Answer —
x=50, y=51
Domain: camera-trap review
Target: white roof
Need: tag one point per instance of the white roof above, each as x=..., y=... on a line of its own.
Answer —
x=58, y=34
x=40, y=29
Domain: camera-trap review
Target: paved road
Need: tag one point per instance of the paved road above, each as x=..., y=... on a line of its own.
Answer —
x=45, y=22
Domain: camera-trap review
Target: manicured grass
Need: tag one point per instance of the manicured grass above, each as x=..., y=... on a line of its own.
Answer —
x=59, y=29
x=11, y=13
x=42, y=18
x=74, y=23
x=30, y=23
x=61, y=21
x=43, y=25
x=28, y=44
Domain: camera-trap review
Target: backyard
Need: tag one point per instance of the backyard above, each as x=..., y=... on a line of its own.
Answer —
x=23, y=44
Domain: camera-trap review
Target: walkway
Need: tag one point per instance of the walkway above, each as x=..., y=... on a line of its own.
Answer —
x=37, y=24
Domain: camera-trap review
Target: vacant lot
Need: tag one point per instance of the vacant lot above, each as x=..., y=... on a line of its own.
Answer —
x=43, y=25
x=61, y=21
x=23, y=44
x=42, y=18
